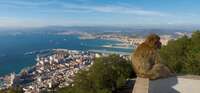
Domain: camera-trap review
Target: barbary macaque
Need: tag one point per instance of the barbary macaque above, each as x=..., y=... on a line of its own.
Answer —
x=146, y=60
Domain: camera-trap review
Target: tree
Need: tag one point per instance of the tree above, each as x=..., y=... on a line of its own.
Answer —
x=193, y=55
x=106, y=75
x=182, y=55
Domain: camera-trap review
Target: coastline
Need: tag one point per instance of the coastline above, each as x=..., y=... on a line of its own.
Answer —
x=59, y=63
x=24, y=52
x=117, y=46
x=110, y=52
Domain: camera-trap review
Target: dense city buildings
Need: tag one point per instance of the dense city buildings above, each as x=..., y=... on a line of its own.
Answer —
x=53, y=70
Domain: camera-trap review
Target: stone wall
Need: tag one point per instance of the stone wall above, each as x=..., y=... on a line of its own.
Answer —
x=176, y=84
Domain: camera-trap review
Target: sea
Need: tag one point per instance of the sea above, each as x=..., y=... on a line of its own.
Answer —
x=18, y=51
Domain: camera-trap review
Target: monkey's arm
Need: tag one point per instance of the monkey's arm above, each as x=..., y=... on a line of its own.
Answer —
x=157, y=58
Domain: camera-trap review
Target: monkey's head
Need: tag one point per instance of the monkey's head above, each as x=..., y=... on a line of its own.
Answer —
x=153, y=40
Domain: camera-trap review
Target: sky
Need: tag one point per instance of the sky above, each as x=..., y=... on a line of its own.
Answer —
x=38, y=13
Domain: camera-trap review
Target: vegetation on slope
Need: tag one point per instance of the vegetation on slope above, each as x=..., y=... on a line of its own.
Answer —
x=12, y=90
x=106, y=75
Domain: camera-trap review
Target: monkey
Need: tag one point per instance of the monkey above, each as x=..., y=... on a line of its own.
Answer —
x=146, y=60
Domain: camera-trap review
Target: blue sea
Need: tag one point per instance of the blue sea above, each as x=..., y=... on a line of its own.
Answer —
x=14, y=48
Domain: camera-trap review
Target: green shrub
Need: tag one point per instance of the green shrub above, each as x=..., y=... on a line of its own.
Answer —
x=183, y=55
x=106, y=75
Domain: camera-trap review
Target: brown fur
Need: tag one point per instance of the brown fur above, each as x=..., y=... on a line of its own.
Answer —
x=146, y=60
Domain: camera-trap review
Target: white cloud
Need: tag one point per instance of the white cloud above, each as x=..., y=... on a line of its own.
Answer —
x=38, y=13
x=64, y=7
x=113, y=9
x=15, y=22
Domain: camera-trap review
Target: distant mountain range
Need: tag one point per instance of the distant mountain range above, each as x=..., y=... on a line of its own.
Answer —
x=138, y=30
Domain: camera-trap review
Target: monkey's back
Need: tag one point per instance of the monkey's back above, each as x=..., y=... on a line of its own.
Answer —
x=143, y=58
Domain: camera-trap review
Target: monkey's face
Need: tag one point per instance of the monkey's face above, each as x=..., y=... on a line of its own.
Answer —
x=158, y=44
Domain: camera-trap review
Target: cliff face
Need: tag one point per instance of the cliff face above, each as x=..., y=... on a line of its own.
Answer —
x=176, y=84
